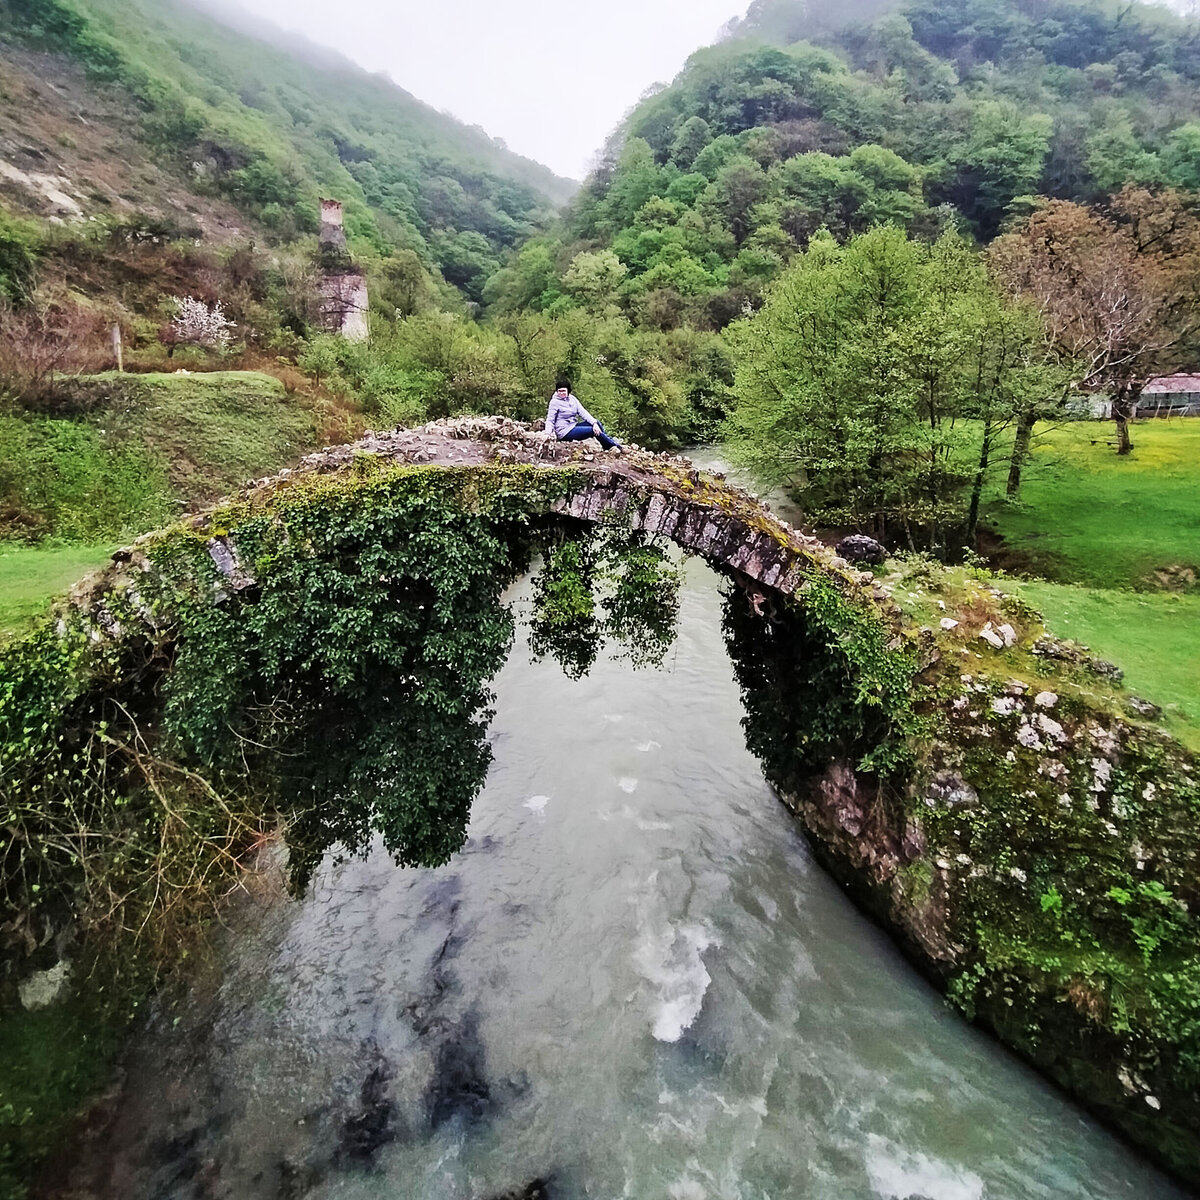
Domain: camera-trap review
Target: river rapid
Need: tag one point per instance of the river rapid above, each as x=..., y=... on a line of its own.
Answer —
x=633, y=982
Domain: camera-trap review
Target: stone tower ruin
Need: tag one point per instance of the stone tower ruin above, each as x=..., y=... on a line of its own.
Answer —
x=343, y=285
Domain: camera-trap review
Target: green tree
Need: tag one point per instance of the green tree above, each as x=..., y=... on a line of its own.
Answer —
x=594, y=278
x=694, y=134
x=635, y=179
x=1181, y=156
x=853, y=381
x=1002, y=157
x=1115, y=157
x=738, y=187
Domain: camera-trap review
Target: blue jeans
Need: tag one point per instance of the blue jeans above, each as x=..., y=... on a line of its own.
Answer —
x=584, y=430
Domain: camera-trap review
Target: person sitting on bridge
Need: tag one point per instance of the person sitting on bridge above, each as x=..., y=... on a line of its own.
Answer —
x=568, y=421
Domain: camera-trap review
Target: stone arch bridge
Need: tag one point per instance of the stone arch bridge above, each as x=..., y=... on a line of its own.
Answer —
x=1017, y=769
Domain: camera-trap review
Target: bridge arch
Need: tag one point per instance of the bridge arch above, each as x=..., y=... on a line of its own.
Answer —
x=949, y=801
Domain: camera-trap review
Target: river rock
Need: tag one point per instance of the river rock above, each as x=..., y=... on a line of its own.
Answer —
x=858, y=548
x=374, y=1125
x=949, y=789
x=538, y=1189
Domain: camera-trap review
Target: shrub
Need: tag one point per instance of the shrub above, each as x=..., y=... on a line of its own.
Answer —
x=18, y=258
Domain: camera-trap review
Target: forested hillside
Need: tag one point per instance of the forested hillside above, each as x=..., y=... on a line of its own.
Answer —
x=929, y=115
x=158, y=155
x=266, y=128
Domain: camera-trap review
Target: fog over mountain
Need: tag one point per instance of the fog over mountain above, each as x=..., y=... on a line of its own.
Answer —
x=552, y=80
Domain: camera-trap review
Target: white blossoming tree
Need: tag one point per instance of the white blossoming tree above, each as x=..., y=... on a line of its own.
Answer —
x=196, y=324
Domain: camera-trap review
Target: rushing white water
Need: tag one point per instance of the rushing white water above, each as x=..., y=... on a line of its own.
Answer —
x=633, y=982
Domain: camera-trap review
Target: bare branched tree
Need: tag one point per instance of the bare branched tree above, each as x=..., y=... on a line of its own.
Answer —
x=45, y=340
x=1117, y=290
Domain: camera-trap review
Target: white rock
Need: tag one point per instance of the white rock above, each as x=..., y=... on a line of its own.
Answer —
x=1028, y=738
x=1008, y=633
x=1004, y=705
x=1154, y=1102
x=1045, y=699
x=948, y=623
x=1051, y=728
x=43, y=987
x=992, y=638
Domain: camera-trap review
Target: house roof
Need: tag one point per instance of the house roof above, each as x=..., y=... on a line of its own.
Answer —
x=1172, y=383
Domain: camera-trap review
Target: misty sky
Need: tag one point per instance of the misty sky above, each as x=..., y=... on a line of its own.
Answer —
x=550, y=78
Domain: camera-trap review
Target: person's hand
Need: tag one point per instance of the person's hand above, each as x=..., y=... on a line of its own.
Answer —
x=596, y=430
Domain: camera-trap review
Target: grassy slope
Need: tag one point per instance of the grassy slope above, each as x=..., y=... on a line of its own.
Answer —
x=1087, y=516
x=1099, y=526
x=212, y=432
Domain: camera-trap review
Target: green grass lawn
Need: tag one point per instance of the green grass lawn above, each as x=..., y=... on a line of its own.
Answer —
x=31, y=576
x=1110, y=525
x=1088, y=516
x=1153, y=637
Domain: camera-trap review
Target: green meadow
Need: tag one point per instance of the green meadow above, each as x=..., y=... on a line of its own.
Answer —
x=1118, y=541
x=1088, y=516
x=31, y=575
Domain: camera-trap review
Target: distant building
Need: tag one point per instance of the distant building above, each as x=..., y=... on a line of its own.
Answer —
x=343, y=285
x=1171, y=396
x=333, y=231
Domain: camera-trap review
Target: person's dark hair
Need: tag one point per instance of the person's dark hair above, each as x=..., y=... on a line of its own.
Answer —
x=563, y=383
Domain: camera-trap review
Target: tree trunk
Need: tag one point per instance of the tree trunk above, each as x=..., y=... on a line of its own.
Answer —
x=1124, y=445
x=1124, y=405
x=985, y=453
x=1020, y=452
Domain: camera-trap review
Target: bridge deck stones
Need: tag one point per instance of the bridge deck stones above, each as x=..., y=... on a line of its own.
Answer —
x=661, y=494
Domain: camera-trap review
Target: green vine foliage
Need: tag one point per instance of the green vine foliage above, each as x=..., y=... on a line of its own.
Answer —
x=821, y=680
x=346, y=685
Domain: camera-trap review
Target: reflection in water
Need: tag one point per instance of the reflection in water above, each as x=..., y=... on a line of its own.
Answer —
x=632, y=982
x=402, y=752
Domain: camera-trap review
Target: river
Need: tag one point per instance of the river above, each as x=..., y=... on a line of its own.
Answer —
x=633, y=982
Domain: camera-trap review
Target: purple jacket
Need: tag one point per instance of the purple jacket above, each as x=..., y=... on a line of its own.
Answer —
x=564, y=415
